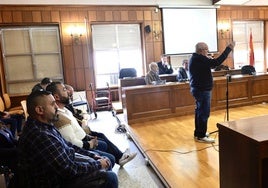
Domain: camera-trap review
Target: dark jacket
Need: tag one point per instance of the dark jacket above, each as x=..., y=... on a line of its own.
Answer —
x=8, y=149
x=200, y=70
x=182, y=75
x=163, y=69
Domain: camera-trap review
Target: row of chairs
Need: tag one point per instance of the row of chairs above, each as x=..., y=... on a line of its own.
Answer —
x=5, y=105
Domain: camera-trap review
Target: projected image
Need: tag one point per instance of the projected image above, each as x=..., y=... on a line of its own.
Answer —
x=183, y=28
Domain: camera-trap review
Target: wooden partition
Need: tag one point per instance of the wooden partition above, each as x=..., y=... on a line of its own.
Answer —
x=248, y=167
x=149, y=102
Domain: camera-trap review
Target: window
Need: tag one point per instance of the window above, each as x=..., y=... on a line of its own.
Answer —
x=30, y=54
x=115, y=46
x=241, y=35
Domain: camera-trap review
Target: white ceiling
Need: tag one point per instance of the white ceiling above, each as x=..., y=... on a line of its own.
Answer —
x=160, y=3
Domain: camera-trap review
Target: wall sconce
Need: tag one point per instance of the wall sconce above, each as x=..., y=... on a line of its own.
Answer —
x=76, y=32
x=156, y=34
x=156, y=31
x=224, y=28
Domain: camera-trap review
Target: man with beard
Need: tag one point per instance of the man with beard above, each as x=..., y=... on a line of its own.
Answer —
x=74, y=133
x=47, y=160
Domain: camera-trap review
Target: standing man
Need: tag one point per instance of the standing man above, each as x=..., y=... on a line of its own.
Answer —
x=164, y=65
x=47, y=160
x=201, y=84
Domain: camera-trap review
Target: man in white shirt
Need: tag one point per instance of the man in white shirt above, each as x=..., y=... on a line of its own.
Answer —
x=70, y=129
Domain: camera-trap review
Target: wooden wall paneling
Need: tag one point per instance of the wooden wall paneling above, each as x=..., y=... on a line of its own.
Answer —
x=158, y=50
x=149, y=47
x=68, y=15
x=108, y=16
x=259, y=89
x=124, y=15
x=1, y=17
x=85, y=54
x=261, y=14
x=265, y=46
x=65, y=35
x=156, y=15
x=55, y=16
x=78, y=56
x=68, y=57
x=70, y=77
x=36, y=16
x=132, y=15
x=147, y=15
x=100, y=16
x=74, y=16
x=65, y=16
x=140, y=16
x=148, y=36
x=80, y=78
x=88, y=77
x=46, y=17
x=92, y=16
x=116, y=15
x=7, y=16
x=266, y=13
x=17, y=17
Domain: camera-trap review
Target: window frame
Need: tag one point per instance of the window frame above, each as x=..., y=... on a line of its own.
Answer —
x=114, y=76
x=38, y=69
x=258, y=45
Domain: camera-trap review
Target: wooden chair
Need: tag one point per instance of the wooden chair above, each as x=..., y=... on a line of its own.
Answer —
x=24, y=107
x=8, y=108
x=2, y=105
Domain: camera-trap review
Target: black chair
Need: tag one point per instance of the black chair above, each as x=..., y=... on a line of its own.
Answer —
x=248, y=69
x=127, y=72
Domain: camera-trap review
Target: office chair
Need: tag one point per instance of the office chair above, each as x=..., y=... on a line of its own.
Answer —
x=248, y=69
x=127, y=72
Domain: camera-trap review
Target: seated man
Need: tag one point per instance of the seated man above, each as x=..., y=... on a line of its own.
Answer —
x=183, y=73
x=42, y=85
x=74, y=133
x=47, y=160
x=164, y=65
x=14, y=121
x=9, y=153
x=152, y=77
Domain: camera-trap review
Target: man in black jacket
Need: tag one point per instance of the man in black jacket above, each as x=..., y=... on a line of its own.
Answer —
x=164, y=65
x=183, y=71
x=201, y=83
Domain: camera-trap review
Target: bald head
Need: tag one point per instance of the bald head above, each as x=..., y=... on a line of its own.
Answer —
x=201, y=48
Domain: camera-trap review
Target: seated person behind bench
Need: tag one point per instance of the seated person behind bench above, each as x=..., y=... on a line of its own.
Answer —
x=152, y=77
x=183, y=73
x=164, y=66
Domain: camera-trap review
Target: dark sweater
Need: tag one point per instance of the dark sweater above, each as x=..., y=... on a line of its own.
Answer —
x=200, y=70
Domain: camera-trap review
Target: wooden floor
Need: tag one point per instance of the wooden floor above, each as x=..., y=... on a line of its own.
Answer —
x=177, y=159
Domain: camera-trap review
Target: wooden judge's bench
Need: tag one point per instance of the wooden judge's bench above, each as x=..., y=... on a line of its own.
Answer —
x=243, y=156
x=149, y=102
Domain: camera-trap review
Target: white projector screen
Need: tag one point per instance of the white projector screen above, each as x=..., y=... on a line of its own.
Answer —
x=184, y=27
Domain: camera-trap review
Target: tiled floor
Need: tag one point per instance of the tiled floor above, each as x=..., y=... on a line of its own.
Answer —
x=136, y=173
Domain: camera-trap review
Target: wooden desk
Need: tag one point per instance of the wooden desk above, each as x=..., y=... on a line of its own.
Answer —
x=243, y=153
x=149, y=102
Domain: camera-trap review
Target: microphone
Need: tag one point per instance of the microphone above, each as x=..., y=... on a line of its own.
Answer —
x=228, y=77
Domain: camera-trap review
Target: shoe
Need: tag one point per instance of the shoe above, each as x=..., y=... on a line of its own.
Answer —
x=126, y=158
x=126, y=152
x=205, y=140
x=206, y=135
